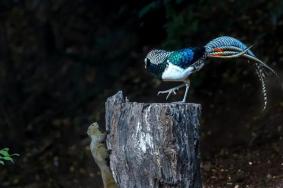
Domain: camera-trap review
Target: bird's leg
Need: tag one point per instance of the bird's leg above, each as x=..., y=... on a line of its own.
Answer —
x=172, y=90
x=187, y=84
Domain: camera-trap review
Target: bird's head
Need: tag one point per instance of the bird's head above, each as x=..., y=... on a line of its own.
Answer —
x=155, y=61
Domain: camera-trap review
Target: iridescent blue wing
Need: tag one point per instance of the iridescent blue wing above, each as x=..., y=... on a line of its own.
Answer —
x=186, y=57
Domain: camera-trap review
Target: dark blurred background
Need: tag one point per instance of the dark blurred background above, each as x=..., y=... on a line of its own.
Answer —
x=60, y=60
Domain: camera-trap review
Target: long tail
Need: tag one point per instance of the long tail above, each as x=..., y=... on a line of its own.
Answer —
x=226, y=47
x=261, y=77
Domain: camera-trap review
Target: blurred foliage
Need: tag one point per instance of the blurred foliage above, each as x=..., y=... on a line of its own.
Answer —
x=186, y=19
x=6, y=156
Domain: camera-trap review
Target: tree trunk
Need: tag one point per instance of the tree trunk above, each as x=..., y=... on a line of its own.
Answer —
x=153, y=144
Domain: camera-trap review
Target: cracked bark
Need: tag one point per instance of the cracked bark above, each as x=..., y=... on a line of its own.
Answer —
x=153, y=145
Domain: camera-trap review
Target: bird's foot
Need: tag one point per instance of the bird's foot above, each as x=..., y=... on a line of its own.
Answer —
x=169, y=91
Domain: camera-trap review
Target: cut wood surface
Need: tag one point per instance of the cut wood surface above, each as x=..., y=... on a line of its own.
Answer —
x=153, y=144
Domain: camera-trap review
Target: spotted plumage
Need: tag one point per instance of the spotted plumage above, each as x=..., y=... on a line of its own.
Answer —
x=180, y=64
x=155, y=61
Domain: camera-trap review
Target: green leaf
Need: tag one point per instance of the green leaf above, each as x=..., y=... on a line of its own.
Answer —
x=5, y=149
x=4, y=153
x=5, y=156
x=8, y=158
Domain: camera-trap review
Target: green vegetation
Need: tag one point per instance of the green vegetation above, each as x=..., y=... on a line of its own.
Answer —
x=6, y=156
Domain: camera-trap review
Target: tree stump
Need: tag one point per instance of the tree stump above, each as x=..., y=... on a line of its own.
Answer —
x=153, y=144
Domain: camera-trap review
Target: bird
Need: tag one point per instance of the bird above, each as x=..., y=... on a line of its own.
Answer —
x=178, y=65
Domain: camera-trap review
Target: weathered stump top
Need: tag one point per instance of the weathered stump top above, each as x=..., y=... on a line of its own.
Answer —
x=153, y=144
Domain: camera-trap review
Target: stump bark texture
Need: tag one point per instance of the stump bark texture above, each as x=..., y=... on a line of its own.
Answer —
x=153, y=144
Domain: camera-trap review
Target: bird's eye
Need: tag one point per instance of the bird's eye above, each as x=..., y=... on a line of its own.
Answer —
x=146, y=62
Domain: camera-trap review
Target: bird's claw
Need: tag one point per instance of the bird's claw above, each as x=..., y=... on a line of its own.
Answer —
x=169, y=91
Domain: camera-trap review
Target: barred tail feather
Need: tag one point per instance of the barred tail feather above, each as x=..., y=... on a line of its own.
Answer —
x=226, y=41
x=228, y=48
x=261, y=77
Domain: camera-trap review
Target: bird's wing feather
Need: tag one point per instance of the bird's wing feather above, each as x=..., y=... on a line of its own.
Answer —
x=186, y=57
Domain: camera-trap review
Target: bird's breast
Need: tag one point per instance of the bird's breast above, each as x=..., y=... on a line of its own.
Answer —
x=173, y=73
